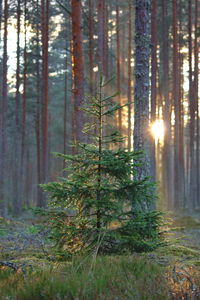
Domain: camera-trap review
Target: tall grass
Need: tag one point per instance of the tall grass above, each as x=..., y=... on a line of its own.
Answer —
x=105, y=278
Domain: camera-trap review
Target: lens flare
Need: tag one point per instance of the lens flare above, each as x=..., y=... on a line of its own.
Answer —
x=158, y=130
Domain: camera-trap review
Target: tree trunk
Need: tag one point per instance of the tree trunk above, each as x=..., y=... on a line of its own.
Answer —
x=167, y=150
x=176, y=105
x=78, y=70
x=91, y=46
x=24, y=96
x=191, y=109
x=40, y=201
x=101, y=36
x=17, y=182
x=65, y=111
x=181, y=166
x=45, y=89
x=196, y=101
x=118, y=67
x=3, y=114
x=129, y=95
x=153, y=80
x=141, y=103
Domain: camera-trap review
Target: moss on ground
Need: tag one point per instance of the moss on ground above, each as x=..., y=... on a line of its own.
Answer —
x=168, y=273
x=106, y=278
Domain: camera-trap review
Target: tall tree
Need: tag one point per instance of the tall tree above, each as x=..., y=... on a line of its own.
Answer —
x=24, y=104
x=118, y=46
x=40, y=201
x=196, y=100
x=101, y=35
x=181, y=165
x=141, y=101
x=176, y=104
x=3, y=112
x=191, y=107
x=153, y=78
x=78, y=68
x=65, y=108
x=17, y=183
x=129, y=94
x=167, y=151
x=91, y=44
x=45, y=87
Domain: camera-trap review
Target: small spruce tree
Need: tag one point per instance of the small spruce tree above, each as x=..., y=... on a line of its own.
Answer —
x=92, y=207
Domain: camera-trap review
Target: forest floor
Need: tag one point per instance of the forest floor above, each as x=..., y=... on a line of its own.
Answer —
x=30, y=270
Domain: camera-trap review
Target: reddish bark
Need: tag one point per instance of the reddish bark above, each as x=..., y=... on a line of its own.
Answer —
x=101, y=36
x=78, y=69
x=129, y=73
x=91, y=45
x=118, y=67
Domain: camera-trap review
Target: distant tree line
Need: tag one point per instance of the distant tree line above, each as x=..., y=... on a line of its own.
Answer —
x=51, y=55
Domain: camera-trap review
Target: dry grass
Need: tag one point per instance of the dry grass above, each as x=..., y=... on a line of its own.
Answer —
x=104, y=278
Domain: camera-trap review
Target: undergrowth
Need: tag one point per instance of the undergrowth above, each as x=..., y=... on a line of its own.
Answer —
x=102, y=277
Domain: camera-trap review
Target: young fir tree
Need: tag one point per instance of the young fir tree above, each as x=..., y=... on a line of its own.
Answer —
x=92, y=207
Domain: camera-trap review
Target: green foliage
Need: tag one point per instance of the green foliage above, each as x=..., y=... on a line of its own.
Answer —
x=3, y=232
x=94, y=205
x=105, y=278
x=31, y=229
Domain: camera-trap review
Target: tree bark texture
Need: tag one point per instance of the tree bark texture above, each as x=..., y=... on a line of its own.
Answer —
x=78, y=69
x=141, y=101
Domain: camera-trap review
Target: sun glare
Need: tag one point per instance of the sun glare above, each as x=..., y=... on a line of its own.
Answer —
x=158, y=130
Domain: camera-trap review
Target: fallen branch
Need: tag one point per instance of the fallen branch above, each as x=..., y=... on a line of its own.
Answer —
x=14, y=266
x=9, y=265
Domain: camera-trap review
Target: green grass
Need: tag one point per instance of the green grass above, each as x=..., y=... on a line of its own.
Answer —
x=134, y=277
x=32, y=229
x=3, y=232
x=103, y=278
x=178, y=251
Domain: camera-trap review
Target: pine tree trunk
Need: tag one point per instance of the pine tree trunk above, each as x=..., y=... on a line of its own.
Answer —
x=1, y=1
x=191, y=109
x=91, y=46
x=141, y=104
x=45, y=89
x=176, y=105
x=196, y=101
x=118, y=67
x=106, y=49
x=153, y=80
x=129, y=95
x=24, y=109
x=181, y=165
x=3, y=113
x=141, y=101
x=167, y=148
x=65, y=110
x=78, y=70
x=16, y=158
x=101, y=35
x=38, y=115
